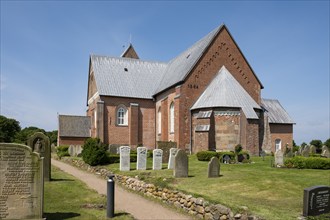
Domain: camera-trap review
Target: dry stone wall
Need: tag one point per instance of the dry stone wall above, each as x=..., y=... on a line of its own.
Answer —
x=197, y=207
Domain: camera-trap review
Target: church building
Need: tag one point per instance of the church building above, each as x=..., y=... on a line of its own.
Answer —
x=206, y=98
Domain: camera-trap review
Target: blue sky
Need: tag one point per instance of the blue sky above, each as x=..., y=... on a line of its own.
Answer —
x=45, y=48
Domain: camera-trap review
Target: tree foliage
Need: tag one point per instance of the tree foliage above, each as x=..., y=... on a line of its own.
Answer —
x=24, y=134
x=94, y=152
x=8, y=129
x=52, y=136
x=327, y=143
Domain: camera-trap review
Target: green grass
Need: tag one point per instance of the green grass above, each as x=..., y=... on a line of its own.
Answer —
x=65, y=197
x=271, y=193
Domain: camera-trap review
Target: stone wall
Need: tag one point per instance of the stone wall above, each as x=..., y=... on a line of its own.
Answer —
x=198, y=207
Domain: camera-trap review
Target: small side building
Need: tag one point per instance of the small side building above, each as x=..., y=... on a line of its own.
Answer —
x=73, y=129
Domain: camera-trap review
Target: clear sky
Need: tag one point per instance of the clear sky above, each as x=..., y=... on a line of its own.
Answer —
x=45, y=49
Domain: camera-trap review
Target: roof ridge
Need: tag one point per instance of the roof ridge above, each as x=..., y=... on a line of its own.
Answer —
x=128, y=59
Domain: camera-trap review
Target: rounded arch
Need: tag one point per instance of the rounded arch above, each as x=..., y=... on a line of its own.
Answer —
x=159, y=120
x=278, y=144
x=172, y=117
x=121, y=115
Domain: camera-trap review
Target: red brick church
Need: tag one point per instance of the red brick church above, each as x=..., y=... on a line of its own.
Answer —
x=206, y=98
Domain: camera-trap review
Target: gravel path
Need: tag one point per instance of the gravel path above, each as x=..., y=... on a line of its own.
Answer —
x=134, y=204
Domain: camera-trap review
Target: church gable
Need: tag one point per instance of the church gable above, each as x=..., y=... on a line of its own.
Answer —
x=92, y=88
x=130, y=52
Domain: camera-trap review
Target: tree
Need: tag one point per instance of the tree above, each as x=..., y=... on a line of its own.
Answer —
x=327, y=143
x=303, y=144
x=93, y=152
x=317, y=144
x=24, y=134
x=52, y=136
x=8, y=129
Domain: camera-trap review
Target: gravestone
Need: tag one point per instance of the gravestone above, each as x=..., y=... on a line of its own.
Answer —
x=226, y=159
x=213, y=168
x=312, y=149
x=114, y=149
x=75, y=150
x=316, y=200
x=279, y=158
x=263, y=154
x=296, y=153
x=173, y=152
x=180, y=164
x=40, y=143
x=22, y=182
x=141, y=162
x=124, y=158
x=157, y=159
x=305, y=151
x=78, y=150
x=325, y=152
x=71, y=150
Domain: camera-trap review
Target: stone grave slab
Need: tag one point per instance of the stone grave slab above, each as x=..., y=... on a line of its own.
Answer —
x=180, y=164
x=312, y=149
x=40, y=143
x=124, y=152
x=279, y=161
x=22, y=182
x=173, y=152
x=141, y=162
x=316, y=200
x=157, y=159
x=213, y=168
x=325, y=152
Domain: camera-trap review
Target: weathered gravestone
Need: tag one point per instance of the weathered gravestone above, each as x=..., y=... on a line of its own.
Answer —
x=40, y=143
x=325, y=152
x=316, y=200
x=75, y=150
x=22, y=182
x=305, y=151
x=166, y=146
x=279, y=158
x=71, y=150
x=173, y=152
x=263, y=154
x=124, y=158
x=312, y=149
x=141, y=162
x=114, y=149
x=226, y=159
x=157, y=159
x=180, y=164
x=213, y=168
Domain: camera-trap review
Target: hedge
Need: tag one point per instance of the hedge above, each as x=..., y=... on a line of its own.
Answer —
x=206, y=155
x=115, y=158
x=231, y=154
x=308, y=163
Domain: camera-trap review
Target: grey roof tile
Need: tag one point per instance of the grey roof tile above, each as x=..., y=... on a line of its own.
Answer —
x=275, y=112
x=225, y=91
x=126, y=77
x=74, y=126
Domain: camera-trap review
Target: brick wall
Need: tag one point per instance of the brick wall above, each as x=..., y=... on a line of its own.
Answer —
x=71, y=141
x=283, y=132
x=227, y=132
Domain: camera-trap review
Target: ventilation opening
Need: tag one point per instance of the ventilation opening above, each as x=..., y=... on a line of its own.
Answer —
x=125, y=69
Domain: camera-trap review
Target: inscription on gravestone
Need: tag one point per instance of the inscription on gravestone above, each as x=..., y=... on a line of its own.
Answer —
x=316, y=200
x=157, y=159
x=124, y=158
x=180, y=164
x=21, y=185
x=141, y=158
x=173, y=152
x=214, y=167
x=40, y=143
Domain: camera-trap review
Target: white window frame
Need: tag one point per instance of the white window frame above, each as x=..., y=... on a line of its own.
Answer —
x=159, y=114
x=172, y=117
x=121, y=116
x=278, y=144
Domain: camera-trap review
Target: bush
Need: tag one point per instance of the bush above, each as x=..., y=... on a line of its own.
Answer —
x=308, y=163
x=206, y=155
x=238, y=148
x=94, y=152
x=62, y=151
x=231, y=154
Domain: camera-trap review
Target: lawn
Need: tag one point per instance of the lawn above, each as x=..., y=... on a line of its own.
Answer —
x=68, y=198
x=271, y=193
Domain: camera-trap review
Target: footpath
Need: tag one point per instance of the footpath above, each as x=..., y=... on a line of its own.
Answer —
x=138, y=206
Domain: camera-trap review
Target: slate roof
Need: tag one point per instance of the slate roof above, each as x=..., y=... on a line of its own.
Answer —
x=275, y=112
x=74, y=126
x=126, y=77
x=225, y=91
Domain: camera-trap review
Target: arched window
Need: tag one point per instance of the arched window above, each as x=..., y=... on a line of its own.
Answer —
x=159, y=121
x=122, y=116
x=278, y=144
x=172, y=117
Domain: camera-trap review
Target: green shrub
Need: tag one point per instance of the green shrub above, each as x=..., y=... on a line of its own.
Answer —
x=150, y=154
x=231, y=154
x=206, y=155
x=94, y=152
x=62, y=151
x=308, y=163
x=238, y=148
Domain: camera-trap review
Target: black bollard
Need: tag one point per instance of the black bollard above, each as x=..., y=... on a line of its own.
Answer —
x=110, y=197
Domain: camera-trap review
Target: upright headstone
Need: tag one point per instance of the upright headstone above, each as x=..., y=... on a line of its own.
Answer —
x=279, y=158
x=305, y=151
x=226, y=159
x=141, y=162
x=124, y=158
x=316, y=200
x=157, y=159
x=40, y=143
x=213, y=168
x=325, y=152
x=78, y=150
x=22, y=182
x=71, y=151
x=312, y=149
x=173, y=152
x=263, y=154
x=180, y=164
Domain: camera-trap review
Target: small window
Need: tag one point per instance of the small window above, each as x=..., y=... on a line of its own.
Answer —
x=122, y=116
x=172, y=117
x=278, y=144
x=159, y=121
